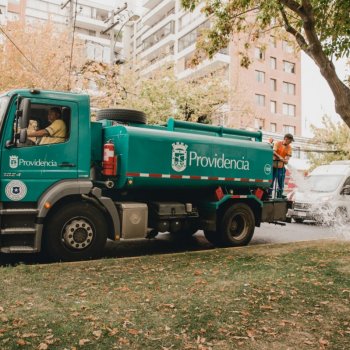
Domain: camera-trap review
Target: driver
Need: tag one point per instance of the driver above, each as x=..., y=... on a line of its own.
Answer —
x=55, y=133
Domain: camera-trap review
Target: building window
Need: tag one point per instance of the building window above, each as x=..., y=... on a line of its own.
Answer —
x=260, y=76
x=159, y=35
x=273, y=107
x=289, y=88
x=191, y=37
x=289, y=129
x=260, y=100
x=259, y=123
x=273, y=127
x=273, y=63
x=287, y=47
x=259, y=53
x=273, y=41
x=288, y=109
x=273, y=84
x=289, y=67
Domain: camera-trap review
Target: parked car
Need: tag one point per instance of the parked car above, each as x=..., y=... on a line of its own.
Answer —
x=325, y=195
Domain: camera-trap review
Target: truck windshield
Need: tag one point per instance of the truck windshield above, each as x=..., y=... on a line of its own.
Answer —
x=3, y=106
x=323, y=183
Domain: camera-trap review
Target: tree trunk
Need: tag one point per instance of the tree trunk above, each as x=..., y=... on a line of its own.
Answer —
x=315, y=51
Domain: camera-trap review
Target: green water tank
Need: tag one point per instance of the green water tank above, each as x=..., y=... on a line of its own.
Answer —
x=182, y=154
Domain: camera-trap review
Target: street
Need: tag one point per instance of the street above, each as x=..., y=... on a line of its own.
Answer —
x=166, y=243
x=266, y=234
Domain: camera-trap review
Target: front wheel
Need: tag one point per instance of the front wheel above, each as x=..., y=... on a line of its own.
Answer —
x=237, y=225
x=76, y=231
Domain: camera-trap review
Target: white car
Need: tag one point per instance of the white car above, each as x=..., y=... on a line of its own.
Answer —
x=325, y=195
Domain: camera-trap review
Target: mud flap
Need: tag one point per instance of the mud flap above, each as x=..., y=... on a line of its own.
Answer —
x=273, y=211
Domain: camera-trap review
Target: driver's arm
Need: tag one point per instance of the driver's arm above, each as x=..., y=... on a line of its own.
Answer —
x=38, y=133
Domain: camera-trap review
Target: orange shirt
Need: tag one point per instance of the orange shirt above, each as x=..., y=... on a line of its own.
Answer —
x=283, y=151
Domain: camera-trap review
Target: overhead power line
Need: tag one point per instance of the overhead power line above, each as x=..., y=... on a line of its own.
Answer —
x=19, y=50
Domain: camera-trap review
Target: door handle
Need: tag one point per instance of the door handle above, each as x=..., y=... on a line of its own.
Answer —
x=67, y=165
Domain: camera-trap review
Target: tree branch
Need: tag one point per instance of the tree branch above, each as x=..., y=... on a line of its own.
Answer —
x=299, y=38
x=294, y=6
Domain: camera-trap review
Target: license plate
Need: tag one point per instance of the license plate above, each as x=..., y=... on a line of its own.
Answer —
x=301, y=213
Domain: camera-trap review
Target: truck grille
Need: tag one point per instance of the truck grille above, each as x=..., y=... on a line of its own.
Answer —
x=302, y=206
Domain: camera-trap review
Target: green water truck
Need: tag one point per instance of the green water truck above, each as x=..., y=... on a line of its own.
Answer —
x=119, y=178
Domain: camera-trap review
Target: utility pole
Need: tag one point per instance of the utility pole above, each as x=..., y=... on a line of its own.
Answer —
x=110, y=29
x=71, y=11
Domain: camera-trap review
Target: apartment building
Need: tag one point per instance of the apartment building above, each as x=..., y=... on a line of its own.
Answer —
x=264, y=96
x=90, y=19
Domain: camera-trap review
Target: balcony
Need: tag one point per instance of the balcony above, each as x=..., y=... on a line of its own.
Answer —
x=95, y=39
x=158, y=45
x=90, y=23
x=150, y=4
x=156, y=63
x=218, y=61
x=160, y=11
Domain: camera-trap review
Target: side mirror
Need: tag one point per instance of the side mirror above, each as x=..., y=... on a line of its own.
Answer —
x=23, y=135
x=25, y=108
x=346, y=190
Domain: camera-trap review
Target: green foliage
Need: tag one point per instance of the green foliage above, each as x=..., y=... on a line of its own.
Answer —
x=335, y=137
x=162, y=95
x=330, y=21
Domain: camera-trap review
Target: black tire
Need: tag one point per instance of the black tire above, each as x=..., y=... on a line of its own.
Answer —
x=122, y=115
x=236, y=227
x=298, y=220
x=76, y=231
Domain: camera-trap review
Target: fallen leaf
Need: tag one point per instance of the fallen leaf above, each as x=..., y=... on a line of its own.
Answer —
x=83, y=341
x=43, y=346
x=250, y=333
x=29, y=335
x=21, y=342
x=97, y=334
x=133, y=331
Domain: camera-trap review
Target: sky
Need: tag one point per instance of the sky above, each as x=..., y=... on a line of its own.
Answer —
x=317, y=98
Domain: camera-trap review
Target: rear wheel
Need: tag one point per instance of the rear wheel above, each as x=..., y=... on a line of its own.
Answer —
x=77, y=231
x=237, y=226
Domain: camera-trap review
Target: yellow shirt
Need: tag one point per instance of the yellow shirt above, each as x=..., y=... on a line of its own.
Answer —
x=57, y=132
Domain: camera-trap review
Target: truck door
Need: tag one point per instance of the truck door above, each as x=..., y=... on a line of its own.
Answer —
x=27, y=170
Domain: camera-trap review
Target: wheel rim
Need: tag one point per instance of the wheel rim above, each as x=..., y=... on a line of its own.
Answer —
x=78, y=234
x=238, y=227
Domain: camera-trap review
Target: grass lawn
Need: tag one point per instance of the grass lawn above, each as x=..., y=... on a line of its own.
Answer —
x=292, y=296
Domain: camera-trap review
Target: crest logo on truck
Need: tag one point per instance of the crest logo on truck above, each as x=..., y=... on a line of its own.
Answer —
x=16, y=190
x=179, y=156
x=13, y=162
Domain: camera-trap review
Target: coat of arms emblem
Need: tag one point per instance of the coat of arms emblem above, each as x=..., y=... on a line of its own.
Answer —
x=13, y=162
x=179, y=156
